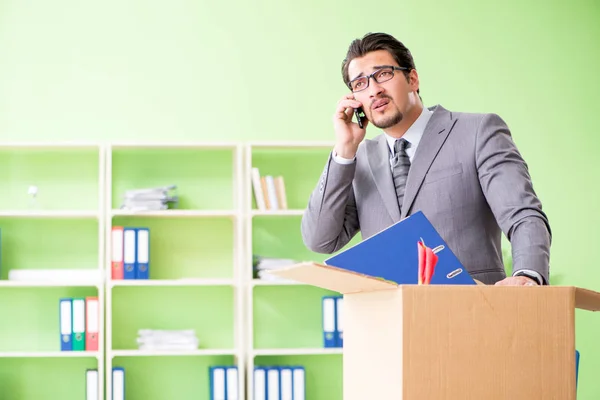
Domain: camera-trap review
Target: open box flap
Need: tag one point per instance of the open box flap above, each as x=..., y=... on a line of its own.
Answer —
x=586, y=299
x=332, y=278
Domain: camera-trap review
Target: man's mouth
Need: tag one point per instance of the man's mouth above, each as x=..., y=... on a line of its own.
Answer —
x=379, y=105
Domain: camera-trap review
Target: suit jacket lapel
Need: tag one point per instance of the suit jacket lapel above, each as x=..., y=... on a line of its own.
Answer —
x=378, y=155
x=439, y=126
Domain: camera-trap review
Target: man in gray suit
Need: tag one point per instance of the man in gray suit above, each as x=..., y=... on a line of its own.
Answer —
x=462, y=170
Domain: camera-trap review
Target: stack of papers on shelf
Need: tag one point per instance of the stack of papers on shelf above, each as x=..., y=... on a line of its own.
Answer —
x=151, y=339
x=92, y=276
x=263, y=264
x=145, y=199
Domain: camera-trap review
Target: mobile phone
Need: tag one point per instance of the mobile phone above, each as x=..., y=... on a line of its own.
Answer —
x=360, y=116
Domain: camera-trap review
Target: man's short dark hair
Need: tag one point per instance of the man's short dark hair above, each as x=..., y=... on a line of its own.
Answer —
x=378, y=41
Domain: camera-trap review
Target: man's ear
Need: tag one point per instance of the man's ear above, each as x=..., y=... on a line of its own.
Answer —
x=413, y=79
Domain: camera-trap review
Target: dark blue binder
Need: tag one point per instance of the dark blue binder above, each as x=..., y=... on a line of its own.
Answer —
x=392, y=255
x=576, y=368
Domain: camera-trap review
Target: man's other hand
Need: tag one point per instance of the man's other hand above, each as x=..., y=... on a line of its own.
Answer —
x=517, y=281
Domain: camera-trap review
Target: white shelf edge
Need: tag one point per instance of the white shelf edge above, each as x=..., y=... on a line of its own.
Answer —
x=174, y=145
x=170, y=282
x=52, y=354
x=281, y=213
x=297, y=352
x=50, y=145
x=175, y=213
x=263, y=282
x=164, y=353
x=291, y=144
x=49, y=214
x=26, y=284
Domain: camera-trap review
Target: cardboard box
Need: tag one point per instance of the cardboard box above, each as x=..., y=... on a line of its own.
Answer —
x=453, y=342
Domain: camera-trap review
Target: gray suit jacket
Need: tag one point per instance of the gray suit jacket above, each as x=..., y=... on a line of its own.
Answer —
x=467, y=177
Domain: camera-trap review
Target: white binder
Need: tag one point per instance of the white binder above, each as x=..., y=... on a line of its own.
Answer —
x=118, y=383
x=260, y=383
x=218, y=381
x=232, y=383
x=287, y=392
x=299, y=383
x=273, y=388
x=91, y=384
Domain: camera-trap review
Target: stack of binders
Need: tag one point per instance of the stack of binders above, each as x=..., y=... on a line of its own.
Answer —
x=333, y=329
x=130, y=253
x=224, y=383
x=79, y=324
x=279, y=382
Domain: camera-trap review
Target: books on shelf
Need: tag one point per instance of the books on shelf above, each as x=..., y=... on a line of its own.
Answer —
x=332, y=315
x=224, y=382
x=153, y=339
x=79, y=322
x=150, y=199
x=269, y=191
x=279, y=382
x=130, y=257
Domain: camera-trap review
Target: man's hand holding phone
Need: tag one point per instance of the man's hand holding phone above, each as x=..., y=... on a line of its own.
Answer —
x=348, y=134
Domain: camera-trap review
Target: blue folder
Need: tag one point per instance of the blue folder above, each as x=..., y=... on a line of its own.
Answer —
x=392, y=254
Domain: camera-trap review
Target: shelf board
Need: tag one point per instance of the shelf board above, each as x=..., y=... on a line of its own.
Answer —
x=175, y=213
x=172, y=282
x=49, y=145
x=25, y=284
x=174, y=145
x=297, y=352
x=52, y=354
x=182, y=353
x=263, y=282
x=292, y=144
x=49, y=214
x=277, y=213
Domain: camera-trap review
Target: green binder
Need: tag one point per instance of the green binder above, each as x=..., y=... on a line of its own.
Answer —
x=78, y=324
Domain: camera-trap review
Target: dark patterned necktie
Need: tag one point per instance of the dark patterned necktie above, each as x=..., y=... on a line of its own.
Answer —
x=401, y=165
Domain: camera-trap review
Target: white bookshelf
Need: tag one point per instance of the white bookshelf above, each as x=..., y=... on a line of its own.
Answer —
x=242, y=284
x=249, y=281
x=233, y=214
x=29, y=212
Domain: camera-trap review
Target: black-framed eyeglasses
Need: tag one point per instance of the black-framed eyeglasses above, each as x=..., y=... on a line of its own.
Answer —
x=383, y=74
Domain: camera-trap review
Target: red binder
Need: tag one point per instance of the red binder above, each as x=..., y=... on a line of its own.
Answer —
x=92, y=322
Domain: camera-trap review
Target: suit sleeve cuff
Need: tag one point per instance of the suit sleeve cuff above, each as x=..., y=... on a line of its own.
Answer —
x=531, y=274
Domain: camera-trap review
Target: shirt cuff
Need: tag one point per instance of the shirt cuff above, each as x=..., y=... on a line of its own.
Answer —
x=342, y=160
x=530, y=273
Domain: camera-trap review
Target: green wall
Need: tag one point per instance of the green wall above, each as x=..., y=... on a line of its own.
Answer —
x=269, y=70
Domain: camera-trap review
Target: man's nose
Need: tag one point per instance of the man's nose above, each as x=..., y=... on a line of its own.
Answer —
x=375, y=89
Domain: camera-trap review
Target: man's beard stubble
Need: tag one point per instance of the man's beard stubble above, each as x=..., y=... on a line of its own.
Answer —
x=388, y=122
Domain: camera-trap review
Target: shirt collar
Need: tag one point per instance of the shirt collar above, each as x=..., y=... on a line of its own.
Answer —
x=415, y=132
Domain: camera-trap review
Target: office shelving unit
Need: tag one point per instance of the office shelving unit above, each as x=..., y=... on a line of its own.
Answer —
x=195, y=255
x=61, y=228
x=284, y=318
x=200, y=266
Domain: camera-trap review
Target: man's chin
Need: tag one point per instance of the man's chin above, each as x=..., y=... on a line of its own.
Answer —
x=387, y=122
